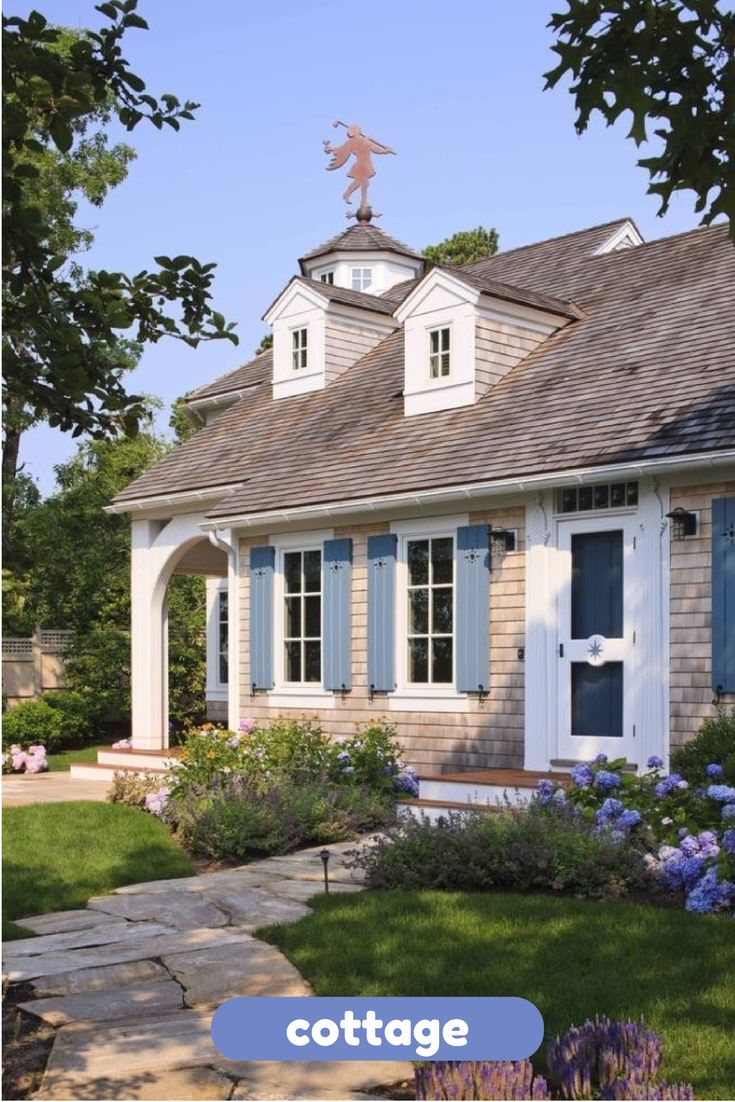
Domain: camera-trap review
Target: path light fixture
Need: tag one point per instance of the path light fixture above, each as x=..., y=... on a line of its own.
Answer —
x=683, y=523
x=325, y=861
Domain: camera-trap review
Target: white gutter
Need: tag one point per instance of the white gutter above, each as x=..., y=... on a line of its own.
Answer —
x=227, y=397
x=477, y=489
x=164, y=501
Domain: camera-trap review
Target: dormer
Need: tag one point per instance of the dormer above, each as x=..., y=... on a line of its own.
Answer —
x=319, y=331
x=625, y=236
x=363, y=259
x=463, y=334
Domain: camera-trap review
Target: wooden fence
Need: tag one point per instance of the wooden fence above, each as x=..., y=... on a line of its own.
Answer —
x=33, y=666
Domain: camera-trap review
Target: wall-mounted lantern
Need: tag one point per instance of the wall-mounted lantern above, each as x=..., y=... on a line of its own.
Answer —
x=502, y=539
x=683, y=523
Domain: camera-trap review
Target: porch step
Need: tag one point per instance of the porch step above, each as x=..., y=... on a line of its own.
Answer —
x=136, y=759
x=95, y=771
x=437, y=809
x=483, y=786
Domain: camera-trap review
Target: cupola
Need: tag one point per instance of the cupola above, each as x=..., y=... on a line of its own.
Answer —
x=362, y=258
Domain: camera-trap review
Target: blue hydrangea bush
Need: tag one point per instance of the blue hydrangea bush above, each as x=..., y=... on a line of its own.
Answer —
x=600, y=1059
x=685, y=831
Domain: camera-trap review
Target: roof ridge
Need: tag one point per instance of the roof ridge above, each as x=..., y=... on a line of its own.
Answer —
x=548, y=240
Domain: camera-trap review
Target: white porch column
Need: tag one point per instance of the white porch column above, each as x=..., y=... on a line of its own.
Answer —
x=147, y=641
x=540, y=729
x=233, y=632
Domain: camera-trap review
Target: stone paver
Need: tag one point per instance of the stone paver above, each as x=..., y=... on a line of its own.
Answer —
x=131, y=1001
x=224, y=971
x=49, y=788
x=183, y=912
x=139, y=972
x=100, y=979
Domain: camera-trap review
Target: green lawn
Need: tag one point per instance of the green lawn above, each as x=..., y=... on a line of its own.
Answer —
x=60, y=762
x=572, y=958
x=55, y=856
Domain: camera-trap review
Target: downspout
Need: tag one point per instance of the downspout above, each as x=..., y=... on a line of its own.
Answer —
x=233, y=700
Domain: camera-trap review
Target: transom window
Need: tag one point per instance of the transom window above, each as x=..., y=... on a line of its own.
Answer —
x=299, y=348
x=439, y=353
x=327, y=277
x=362, y=278
x=606, y=495
x=302, y=623
x=222, y=639
x=430, y=637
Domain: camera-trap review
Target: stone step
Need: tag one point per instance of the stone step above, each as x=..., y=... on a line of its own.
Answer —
x=138, y=759
x=470, y=792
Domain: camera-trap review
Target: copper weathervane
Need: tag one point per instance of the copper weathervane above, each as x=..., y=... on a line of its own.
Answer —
x=359, y=146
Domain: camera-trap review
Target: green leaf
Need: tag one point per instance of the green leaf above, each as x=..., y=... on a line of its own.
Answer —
x=61, y=134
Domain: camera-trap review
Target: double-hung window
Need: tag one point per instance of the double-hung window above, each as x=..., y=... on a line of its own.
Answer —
x=222, y=638
x=361, y=279
x=302, y=617
x=430, y=611
x=439, y=353
x=299, y=348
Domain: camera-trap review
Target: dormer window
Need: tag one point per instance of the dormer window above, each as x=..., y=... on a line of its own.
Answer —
x=361, y=279
x=299, y=350
x=327, y=277
x=439, y=353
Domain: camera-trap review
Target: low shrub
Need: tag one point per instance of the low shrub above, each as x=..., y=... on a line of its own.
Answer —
x=79, y=716
x=33, y=722
x=540, y=847
x=134, y=788
x=686, y=832
x=234, y=820
x=600, y=1059
x=714, y=742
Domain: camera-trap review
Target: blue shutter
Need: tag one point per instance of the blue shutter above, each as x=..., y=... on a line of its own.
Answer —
x=337, y=617
x=262, y=561
x=381, y=553
x=723, y=594
x=472, y=597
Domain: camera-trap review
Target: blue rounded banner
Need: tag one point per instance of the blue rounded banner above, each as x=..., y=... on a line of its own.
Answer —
x=442, y=1028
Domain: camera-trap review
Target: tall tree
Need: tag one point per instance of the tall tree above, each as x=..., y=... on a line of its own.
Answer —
x=671, y=64
x=463, y=247
x=62, y=324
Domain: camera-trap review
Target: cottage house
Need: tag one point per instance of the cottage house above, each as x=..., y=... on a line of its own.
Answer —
x=494, y=503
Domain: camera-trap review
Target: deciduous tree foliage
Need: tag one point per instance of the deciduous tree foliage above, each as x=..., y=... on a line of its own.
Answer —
x=71, y=570
x=463, y=247
x=60, y=324
x=671, y=64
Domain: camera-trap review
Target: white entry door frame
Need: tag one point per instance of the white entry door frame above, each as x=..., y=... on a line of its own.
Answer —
x=646, y=612
x=600, y=659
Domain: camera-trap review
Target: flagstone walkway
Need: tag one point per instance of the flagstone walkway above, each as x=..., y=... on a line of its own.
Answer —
x=132, y=981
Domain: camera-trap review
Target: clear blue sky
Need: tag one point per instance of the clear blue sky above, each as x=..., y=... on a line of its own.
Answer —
x=455, y=88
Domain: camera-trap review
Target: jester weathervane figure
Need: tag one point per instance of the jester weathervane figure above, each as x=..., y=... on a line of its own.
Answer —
x=360, y=147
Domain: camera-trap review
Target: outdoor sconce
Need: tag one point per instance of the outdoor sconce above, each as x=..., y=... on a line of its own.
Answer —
x=502, y=539
x=683, y=523
x=325, y=861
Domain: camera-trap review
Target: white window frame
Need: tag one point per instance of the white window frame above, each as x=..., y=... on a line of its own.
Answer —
x=290, y=694
x=222, y=591
x=327, y=276
x=410, y=697
x=436, y=357
x=361, y=278
x=299, y=348
x=215, y=688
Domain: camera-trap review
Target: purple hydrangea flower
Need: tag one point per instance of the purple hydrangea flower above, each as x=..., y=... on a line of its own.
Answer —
x=545, y=790
x=607, y=781
x=728, y=811
x=674, y=780
x=728, y=841
x=582, y=775
x=155, y=802
x=710, y=894
x=407, y=781
x=714, y=770
x=689, y=846
x=655, y=762
x=629, y=819
x=722, y=793
x=610, y=809
x=600, y=759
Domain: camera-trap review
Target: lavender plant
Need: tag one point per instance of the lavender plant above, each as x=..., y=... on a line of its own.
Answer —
x=468, y=1079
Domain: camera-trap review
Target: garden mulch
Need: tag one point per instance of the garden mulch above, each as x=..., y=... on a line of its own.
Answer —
x=124, y=989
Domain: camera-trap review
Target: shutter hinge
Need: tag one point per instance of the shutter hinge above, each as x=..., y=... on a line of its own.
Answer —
x=635, y=542
x=634, y=730
x=634, y=636
x=561, y=650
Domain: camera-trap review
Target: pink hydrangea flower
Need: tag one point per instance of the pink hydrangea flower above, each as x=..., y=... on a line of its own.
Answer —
x=122, y=744
x=246, y=725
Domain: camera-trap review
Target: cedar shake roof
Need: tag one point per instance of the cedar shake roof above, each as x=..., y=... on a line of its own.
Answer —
x=647, y=372
x=361, y=238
